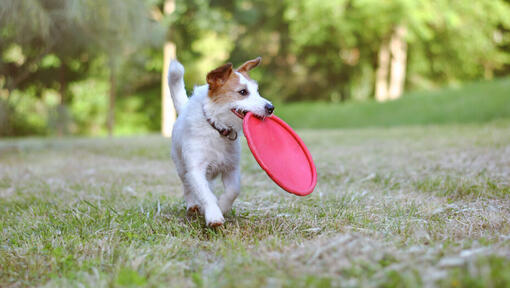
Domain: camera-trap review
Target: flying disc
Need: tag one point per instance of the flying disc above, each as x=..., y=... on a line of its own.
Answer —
x=281, y=153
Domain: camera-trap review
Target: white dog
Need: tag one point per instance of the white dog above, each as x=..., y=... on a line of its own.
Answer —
x=205, y=137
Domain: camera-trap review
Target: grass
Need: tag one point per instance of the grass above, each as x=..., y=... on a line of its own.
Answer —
x=394, y=207
x=472, y=103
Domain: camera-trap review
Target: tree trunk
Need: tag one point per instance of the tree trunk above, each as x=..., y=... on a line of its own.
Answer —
x=61, y=117
x=167, y=108
x=398, y=47
x=381, y=77
x=113, y=91
x=488, y=71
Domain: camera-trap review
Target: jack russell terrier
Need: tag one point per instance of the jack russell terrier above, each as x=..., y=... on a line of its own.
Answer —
x=205, y=140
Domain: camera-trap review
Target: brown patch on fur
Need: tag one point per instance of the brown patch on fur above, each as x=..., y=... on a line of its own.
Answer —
x=215, y=224
x=193, y=210
x=248, y=65
x=228, y=91
x=245, y=75
x=217, y=77
x=224, y=85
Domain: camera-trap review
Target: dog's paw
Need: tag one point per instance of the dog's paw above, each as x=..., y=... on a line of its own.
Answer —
x=192, y=210
x=215, y=224
x=214, y=217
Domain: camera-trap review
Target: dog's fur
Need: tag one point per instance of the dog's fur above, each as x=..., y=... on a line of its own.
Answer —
x=199, y=151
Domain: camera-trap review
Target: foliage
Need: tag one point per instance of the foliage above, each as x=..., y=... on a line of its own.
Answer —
x=448, y=41
x=311, y=50
x=48, y=46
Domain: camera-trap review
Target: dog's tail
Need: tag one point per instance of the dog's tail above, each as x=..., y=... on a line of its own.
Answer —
x=176, y=84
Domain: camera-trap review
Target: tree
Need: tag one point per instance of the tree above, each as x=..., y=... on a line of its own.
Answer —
x=449, y=41
x=168, y=110
x=119, y=28
x=40, y=45
x=391, y=60
x=73, y=32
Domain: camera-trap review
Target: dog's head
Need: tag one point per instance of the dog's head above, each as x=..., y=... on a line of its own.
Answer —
x=236, y=91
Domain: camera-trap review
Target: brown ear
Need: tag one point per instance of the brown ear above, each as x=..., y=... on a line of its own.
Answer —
x=217, y=77
x=250, y=64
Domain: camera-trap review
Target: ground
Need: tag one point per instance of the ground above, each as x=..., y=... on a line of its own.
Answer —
x=407, y=206
x=476, y=102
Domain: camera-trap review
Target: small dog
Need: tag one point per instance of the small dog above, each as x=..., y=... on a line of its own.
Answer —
x=205, y=140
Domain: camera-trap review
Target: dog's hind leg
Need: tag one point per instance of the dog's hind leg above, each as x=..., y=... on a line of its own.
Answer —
x=232, y=185
x=192, y=205
x=199, y=187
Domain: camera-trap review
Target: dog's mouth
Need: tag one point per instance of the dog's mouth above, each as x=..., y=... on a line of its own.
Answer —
x=239, y=112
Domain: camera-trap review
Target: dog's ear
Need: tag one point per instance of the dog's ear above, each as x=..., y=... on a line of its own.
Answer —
x=217, y=77
x=250, y=64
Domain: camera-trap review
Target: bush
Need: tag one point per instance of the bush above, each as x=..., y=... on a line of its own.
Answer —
x=12, y=123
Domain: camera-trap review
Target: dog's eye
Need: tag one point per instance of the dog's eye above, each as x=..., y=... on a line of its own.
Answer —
x=243, y=92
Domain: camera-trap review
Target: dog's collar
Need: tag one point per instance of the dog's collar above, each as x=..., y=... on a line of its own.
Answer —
x=228, y=133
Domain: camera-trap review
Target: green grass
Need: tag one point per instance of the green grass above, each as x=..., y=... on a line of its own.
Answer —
x=394, y=207
x=473, y=103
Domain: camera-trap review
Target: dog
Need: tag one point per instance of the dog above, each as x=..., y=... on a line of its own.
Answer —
x=205, y=136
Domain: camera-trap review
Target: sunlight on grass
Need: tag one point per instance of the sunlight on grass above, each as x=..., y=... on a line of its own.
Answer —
x=473, y=103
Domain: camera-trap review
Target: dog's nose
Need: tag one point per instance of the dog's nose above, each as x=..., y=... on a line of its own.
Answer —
x=269, y=108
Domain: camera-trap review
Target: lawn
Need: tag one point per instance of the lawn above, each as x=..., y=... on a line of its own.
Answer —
x=402, y=206
x=477, y=102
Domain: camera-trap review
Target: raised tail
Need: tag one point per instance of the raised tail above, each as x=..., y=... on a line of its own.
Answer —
x=176, y=84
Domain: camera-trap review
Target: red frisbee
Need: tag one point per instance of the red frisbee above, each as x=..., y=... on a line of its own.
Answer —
x=281, y=153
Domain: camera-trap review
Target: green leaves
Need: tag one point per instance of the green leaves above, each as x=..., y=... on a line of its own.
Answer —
x=311, y=49
x=448, y=41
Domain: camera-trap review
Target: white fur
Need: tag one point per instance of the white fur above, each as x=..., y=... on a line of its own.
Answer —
x=200, y=153
x=176, y=84
x=254, y=102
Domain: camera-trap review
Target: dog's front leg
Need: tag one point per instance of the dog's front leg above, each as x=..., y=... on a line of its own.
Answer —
x=232, y=186
x=199, y=185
